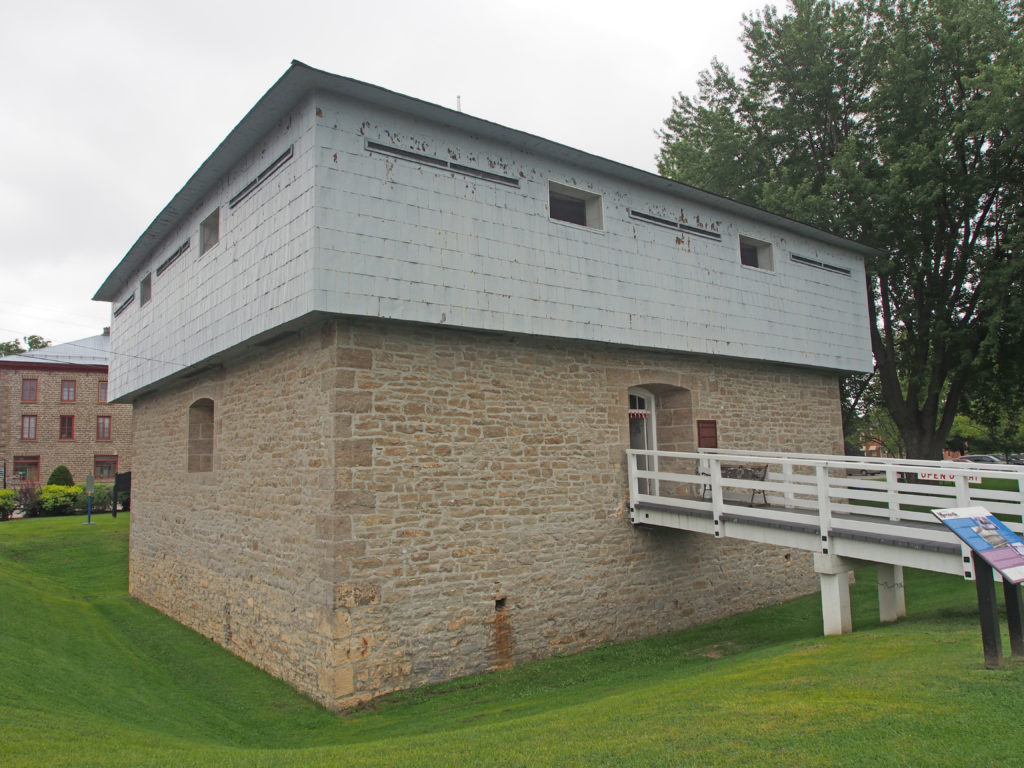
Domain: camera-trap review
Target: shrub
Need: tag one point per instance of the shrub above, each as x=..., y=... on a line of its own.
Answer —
x=8, y=502
x=101, y=496
x=61, y=475
x=58, y=499
x=28, y=499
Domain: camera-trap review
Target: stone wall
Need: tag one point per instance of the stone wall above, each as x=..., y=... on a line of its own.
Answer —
x=391, y=505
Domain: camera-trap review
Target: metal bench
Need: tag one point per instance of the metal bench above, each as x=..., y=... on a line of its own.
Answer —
x=741, y=472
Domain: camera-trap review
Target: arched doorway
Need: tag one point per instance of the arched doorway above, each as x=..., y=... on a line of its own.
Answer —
x=661, y=419
x=643, y=433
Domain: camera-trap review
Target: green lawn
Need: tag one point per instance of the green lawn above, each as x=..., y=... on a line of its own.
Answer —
x=90, y=677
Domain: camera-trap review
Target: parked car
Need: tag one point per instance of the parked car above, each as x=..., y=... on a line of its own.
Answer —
x=980, y=458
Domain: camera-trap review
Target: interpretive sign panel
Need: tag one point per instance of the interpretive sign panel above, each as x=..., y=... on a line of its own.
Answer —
x=988, y=536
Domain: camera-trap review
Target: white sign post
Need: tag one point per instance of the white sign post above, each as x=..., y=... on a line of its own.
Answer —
x=90, y=484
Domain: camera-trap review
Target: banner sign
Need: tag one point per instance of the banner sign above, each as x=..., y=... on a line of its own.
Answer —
x=947, y=477
x=989, y=537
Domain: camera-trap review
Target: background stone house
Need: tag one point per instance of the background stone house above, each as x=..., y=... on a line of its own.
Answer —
x=385, y=361
x=54, y=410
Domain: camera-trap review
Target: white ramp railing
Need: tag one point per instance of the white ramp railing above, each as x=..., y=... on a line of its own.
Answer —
x=848, y=511
x=886, y=503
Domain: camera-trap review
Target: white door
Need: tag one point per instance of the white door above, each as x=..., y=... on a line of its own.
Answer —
x=643, y=434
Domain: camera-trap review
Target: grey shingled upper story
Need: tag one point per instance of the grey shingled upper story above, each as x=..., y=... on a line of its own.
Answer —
x=333, y=196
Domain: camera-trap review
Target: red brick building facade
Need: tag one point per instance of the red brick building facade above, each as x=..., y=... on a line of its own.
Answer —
x=54, y=410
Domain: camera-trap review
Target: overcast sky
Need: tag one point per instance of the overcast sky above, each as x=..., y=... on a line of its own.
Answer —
x=107, y=107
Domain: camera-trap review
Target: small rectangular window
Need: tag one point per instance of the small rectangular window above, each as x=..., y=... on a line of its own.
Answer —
x=67, y=427
x=102, y=394
x=102, y=427
x=67, y=391
x=104, y=467
x=574, y=206
x=28, y=427
x=26, y=469
x=209, y=232
x=755, y=253
x=146, y=289
x=29, y=390
x=571, y=209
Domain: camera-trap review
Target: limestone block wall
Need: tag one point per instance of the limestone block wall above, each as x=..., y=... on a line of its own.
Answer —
x=391, y=505
x=234, y=552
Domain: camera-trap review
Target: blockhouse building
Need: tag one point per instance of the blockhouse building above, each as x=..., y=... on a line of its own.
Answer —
x=385, y=359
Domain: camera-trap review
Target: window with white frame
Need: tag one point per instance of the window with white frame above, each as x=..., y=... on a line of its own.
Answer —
x=756, y=253
x=574, y=206
x=209, y=232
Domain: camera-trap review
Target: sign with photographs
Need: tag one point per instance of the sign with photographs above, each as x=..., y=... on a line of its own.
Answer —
x=989, y=537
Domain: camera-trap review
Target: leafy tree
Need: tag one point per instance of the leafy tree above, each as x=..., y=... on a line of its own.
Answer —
x=61, y=475
x=8, y=503
x=897, y=124
x=14, y=347
x=855, y=396
x=967, y=436
x=996, y=404
x=865, y=418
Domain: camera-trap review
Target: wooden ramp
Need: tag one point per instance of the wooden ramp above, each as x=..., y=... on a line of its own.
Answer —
x=848, y=511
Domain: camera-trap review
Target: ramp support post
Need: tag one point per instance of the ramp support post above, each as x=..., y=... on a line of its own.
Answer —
x=834, y=576
x=892, y=601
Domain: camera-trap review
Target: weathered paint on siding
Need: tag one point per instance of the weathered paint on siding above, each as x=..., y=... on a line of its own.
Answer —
x=344, y=229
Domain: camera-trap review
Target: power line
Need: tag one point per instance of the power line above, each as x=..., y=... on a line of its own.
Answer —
x=43, y=359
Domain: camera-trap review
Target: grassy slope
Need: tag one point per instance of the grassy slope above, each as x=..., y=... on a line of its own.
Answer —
x=90, y=677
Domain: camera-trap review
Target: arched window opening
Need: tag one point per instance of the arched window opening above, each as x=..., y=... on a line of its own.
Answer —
x=200, y=436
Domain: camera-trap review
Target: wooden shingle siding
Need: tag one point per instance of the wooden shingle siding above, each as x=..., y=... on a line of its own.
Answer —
x=344, y=227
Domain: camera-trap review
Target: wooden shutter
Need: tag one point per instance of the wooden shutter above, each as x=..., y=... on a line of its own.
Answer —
x=707, y=433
